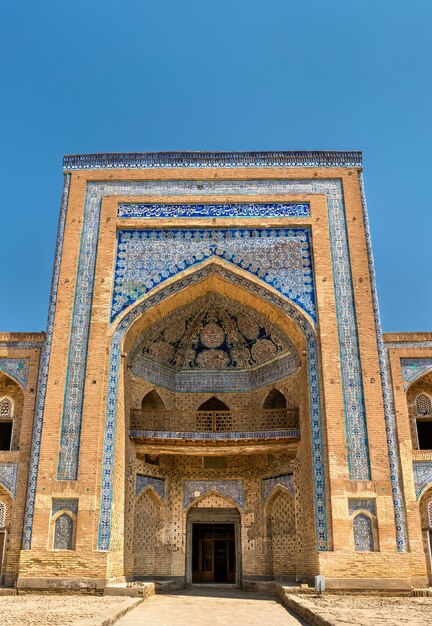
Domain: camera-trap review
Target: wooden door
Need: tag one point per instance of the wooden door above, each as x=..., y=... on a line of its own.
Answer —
x=213, y=553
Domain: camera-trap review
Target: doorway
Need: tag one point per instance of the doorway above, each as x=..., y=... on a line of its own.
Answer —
x=213, y=553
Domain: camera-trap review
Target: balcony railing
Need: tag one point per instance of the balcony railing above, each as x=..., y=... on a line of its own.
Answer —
x=246, y=421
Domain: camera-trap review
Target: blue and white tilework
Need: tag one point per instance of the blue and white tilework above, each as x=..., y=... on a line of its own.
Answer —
x=195, y=488
x=282, y=480
x=210, y=436
x=43, y=374
x=363, y=535
x=314, y=390
x=281, y=209
x=414, y=368
x=9, y=476
x=18, y=369
x=280, y=257
x=422, y=476
x=63, y=533
x=139, y=160
x=64, y=504
x=361, y=504
x=389, y=411
x=157, y=484
x=350, y=364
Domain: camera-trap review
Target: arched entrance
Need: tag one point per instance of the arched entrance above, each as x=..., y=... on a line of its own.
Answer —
x=213, y=550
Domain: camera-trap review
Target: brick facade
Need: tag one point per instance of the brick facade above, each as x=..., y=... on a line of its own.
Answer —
x=280, y=296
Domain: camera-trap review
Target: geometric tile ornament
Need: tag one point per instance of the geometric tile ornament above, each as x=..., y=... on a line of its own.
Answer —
x=363, y=535
x=64, y=504
x=43, y=373
x=359, y=504
x=261, y=291
x=18, y=369
x=9, y=476
x=332, y=189
x=280, y=257
x=422, y=476
x=196, y=488
x=283, y=480
x=389, y=410
x=281, y=209
x=414, y=368
x=158, y=484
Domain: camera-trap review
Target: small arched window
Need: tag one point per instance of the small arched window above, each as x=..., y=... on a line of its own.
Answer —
x=2, y=514
x=363, y=535
x=6, y=408
x=275, y=400
x=429, y=512
x=423, y=404
x=63, y=532
x=6, y=422
x=152, y=402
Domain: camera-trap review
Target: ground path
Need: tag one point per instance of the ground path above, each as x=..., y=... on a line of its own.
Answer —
x=210, y=607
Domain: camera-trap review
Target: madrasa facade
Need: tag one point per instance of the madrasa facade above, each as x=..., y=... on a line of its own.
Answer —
x=213, y=400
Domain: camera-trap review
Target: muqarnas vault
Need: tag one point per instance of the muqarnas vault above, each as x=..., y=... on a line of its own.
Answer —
x=213, y=400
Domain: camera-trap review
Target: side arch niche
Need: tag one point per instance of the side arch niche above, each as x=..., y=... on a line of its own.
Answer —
x=148, y=552
x=282, y=534
x=425, y=509
x=419, y=401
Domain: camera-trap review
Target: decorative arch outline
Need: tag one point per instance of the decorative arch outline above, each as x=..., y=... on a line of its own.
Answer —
x=261, y=291
x=216, y=492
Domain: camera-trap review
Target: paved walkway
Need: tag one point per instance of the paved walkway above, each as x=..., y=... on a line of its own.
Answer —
x=208, y=607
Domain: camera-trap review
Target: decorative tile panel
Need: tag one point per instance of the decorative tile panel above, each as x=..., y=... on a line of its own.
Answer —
x=147, y=258
x=389, y=411
x=350, y=364
x=63, y=533
x=211, y=436
x=9, y=476
x=282, y=209
x=18, y=369
x=414, y=368
x=43, y=375
x=282, y=480
x=195, y=488
x=363, y=535
x=359, y=504
x=140, y=160
x=422, y=477
x=64, y=504
x=158, y=484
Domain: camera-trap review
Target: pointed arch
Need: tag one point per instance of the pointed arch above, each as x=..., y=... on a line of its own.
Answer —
x=423, y=404
x=7, y=407
x=275, y=399
x=213, y=404
x=214, y=276
x=213, y=492
x=152, y=402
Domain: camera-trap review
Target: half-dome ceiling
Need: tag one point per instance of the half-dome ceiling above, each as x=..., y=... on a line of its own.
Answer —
x=217, y=336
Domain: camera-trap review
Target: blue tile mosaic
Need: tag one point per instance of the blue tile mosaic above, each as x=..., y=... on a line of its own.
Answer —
x=270, y=484
x=147, y=258
x=9, y=476
x=18, y=369
x=281, y=209
x=361, y=504
x=235, y=434
x=140, y=160
x=63, y=533
x=158, y=484
x=422, y=476
x=363, y=535
x=64, y=504
x=414, y=368
x=389, y=411
x=43, y=375
x=196, y=488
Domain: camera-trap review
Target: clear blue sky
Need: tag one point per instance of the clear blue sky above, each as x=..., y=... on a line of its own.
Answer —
x=135, y=75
